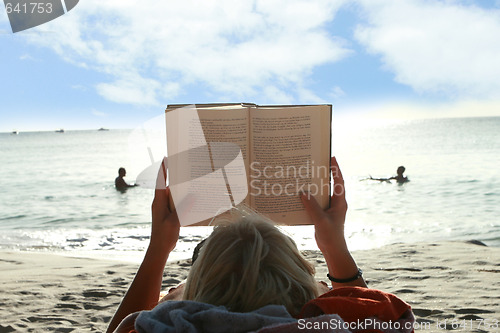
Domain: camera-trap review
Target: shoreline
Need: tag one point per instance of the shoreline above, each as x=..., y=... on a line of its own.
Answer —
x=444, y=282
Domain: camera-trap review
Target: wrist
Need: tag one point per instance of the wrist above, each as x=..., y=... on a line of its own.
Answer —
x=159, y=251
x=352, y=278
x=331, y=239
x=161, y=243
x=340, y=262
x=334, y=247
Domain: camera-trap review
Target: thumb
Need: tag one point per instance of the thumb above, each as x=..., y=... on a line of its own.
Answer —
x=312, y=207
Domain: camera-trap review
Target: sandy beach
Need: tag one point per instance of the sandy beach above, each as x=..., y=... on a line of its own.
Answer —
x=449, y=285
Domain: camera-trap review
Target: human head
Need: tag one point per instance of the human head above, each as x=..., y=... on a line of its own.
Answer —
x=247, y=264
x=401, y=170
x=196, y=251
x=122, y=172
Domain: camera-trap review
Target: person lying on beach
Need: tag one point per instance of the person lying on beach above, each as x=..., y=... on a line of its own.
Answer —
x=249, y=273
x=120, y=183
x=400, y=178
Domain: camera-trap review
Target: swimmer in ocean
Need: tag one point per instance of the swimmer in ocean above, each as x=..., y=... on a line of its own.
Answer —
x=399, y=178
x=120, y=183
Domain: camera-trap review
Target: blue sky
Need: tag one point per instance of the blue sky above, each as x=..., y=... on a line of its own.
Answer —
x=118, y=63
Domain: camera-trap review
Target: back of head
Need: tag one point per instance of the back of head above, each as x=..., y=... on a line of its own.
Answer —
x=247, y=264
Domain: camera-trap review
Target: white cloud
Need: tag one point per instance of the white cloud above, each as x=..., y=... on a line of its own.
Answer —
x=4, y=19
x=99, y=113
x=443, y=110
x=79, y=87
x=274, y=94
x=28, y=57
x=436, y=46
x=336, y=92
x=128, y=90
x=154, y=50
x=309, y=96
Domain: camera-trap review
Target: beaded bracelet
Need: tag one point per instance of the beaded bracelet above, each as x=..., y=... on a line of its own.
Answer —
x=353, y=278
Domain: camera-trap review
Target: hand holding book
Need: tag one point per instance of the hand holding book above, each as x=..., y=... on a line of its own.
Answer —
x=329, y=230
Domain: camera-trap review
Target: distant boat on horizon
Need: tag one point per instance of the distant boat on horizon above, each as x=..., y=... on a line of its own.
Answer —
x=103, y=129
x=61, y=130
x=15, y=132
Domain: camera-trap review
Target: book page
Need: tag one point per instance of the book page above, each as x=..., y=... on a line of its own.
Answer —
x=290, y=153
x=207, y=149
x=226, y=125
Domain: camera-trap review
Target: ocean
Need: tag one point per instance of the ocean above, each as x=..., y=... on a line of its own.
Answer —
x=58, y=188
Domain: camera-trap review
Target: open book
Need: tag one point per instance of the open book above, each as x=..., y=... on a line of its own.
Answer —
x=221, y=155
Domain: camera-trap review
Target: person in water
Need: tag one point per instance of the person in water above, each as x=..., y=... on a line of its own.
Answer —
x=400, y=178
x=120, y=183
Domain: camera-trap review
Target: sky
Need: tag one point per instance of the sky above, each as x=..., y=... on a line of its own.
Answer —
x=118, y=63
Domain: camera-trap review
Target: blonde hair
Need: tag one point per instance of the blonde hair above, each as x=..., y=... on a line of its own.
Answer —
x=247, y=264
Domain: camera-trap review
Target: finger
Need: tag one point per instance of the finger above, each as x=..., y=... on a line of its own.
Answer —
x=164, y=168
x=160, y=203
x=338, y=195
x=161, y=177
x=167, y=199
x=336, y=172
x=312, y=207
x=161, y=193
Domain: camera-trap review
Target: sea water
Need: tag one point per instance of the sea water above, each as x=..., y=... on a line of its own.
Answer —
x=58, y=188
